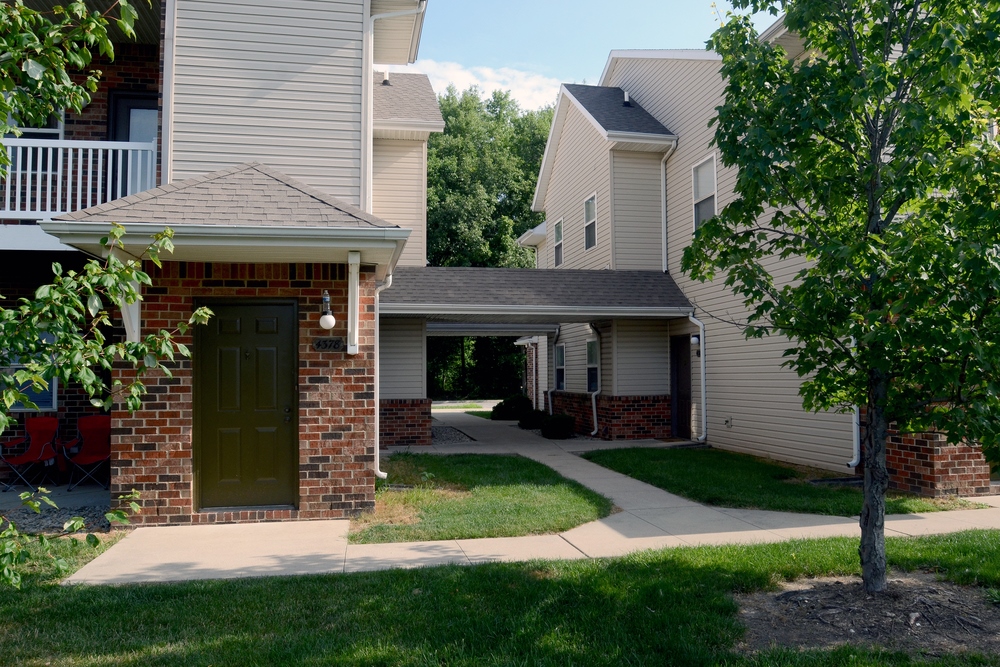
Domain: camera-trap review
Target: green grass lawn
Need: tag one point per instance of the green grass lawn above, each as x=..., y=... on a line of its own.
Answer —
x=474, y=495
x=728, y=479
x=485, y=414
x=457, y=406
x=669, y=607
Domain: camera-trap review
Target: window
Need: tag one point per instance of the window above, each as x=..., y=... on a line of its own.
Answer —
x=703, y=176
x=560, y=367
x=590, y=222
x=47, y=400
x=593, y=364
x=557, y=249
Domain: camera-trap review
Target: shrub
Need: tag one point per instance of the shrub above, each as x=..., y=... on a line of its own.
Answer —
x=558, y=427
x=513, y=408
x=533, y=419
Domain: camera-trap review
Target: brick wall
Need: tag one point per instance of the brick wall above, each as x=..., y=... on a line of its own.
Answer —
x=152, y=449
x=618, y=417
x=926, y=464
x=404, y=422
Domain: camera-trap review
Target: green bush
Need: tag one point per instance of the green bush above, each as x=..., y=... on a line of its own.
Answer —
x=533, y=419
x=513, y=408
x=558, y=427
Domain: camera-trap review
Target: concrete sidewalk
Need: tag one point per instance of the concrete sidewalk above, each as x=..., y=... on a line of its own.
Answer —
x=650, y=518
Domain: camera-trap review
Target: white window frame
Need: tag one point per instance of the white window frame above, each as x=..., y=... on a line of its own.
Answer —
x=53, y=389
x=714, y=195
x=596, y=365
x=557, y=367
x=558, y=256
x=593, y=222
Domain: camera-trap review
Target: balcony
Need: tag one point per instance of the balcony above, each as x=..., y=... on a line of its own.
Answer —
x=46, y=178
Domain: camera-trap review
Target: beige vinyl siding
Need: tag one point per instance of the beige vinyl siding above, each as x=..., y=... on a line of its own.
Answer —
x=745, y=381
x=642, y=357
x=581, y=168
x=638, y=221
x=574, y=337
x=402, y=358
x=399, y=195
x=279, y=83
x=543, y=258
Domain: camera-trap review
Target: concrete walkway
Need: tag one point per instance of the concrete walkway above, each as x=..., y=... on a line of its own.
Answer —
x=650, y=518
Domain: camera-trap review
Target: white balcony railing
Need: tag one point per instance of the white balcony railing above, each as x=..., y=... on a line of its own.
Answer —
x=47, y=177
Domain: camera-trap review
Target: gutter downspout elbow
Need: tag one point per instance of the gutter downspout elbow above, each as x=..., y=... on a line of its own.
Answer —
x=378, y=464
x=663, y=201
x=593, y=394
x=704, y=380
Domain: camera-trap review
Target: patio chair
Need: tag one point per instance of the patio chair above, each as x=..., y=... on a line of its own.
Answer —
x=93, y=448
x=41, y=431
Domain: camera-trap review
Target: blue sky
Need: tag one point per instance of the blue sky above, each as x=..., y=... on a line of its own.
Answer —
x=530, y=46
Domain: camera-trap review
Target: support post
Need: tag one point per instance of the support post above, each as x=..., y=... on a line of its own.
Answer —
x=353, y=300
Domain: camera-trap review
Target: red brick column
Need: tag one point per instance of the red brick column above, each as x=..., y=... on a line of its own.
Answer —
x=926, y=464
x=152, y=449
x=618, y=417
x=404, y=422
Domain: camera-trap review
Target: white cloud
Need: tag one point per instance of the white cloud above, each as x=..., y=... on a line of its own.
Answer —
x=531, y=90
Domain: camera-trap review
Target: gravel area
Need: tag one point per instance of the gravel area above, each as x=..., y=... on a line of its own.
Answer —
x=447, y=434
x=50, y=521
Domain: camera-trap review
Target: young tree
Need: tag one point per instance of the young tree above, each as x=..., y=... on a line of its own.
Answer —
x=870, y=165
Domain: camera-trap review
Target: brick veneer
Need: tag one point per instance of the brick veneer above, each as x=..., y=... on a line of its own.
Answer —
x=926, y=464
x=152, y=449
x=618, y=417
x=404, y=422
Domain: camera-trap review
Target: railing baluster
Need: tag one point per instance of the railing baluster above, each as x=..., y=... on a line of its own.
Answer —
x=101, y=195
x=6, y=180
x=90, y=177
x=59, y=179
x=17, y=174
x=122, y=157
x=79, y=179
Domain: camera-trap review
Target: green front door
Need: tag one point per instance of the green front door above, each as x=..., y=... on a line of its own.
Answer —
x=246, y=426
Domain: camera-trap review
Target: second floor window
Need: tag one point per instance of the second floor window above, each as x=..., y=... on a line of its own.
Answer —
x=560, y=364
x=558, y=247
x=703, y=176
x=590, y=223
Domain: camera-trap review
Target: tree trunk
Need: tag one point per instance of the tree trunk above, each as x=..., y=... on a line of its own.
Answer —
x=872, y=550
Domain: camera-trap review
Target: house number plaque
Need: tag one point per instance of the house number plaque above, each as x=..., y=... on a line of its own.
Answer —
x=328, y=344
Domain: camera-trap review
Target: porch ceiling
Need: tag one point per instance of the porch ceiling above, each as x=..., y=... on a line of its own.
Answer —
x=147, y=25
x=531, y=296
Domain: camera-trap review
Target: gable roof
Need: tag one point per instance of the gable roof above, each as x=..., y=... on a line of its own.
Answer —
x=606, y=107
x=247, y=195
x=619, y=55
x=630, y=127
x=408, y=96
x=470, y=294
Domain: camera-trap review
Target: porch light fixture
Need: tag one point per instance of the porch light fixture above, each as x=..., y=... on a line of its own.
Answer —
x=327, y=320
x=695, y=339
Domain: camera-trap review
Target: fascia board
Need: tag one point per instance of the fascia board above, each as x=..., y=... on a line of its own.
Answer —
x=548, y=158
x=409, y=125
x=533, y=311
x=652, y=54
x=642, y=138
x=773, y=31
x=418, y=31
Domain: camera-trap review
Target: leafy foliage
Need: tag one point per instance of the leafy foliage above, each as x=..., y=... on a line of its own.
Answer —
x=480, y=182
x=39, y=52
x=870, y=166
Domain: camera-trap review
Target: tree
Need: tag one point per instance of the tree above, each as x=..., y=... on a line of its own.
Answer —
x=481, y=175
x=870, y=165
x=62, y=333
x=40, y=50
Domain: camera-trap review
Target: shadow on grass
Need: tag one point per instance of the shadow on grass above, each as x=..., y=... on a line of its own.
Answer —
x=671, y=607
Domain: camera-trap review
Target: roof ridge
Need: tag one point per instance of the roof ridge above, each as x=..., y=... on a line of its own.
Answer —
x=315, y=193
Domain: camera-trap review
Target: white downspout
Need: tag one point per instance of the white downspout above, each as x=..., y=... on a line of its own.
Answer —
x=378, y=290
x=593, y=394
x=353, y=300
x=856, y=435
x=663, y=201
x=555, y=341
x=704, y=379
x=366, y=100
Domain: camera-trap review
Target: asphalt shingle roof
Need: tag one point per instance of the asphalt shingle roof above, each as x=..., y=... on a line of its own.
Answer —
x=607, y=106
x=533, y=287
x=408, y=97
x=249, y=194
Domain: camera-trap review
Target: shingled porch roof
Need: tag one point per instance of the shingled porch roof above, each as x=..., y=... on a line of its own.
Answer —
x=246, y=213
x=531, y=296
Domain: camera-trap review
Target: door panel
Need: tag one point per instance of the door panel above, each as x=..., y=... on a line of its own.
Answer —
x=680, y=386
x=246, y=439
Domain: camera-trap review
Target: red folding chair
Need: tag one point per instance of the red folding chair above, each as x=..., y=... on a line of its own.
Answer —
x=41, y=431
x=93, y=448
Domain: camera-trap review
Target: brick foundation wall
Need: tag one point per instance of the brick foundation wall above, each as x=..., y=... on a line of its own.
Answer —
x=618, y=417
x=404, y=422
x=926, y=464
x=152, y=449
